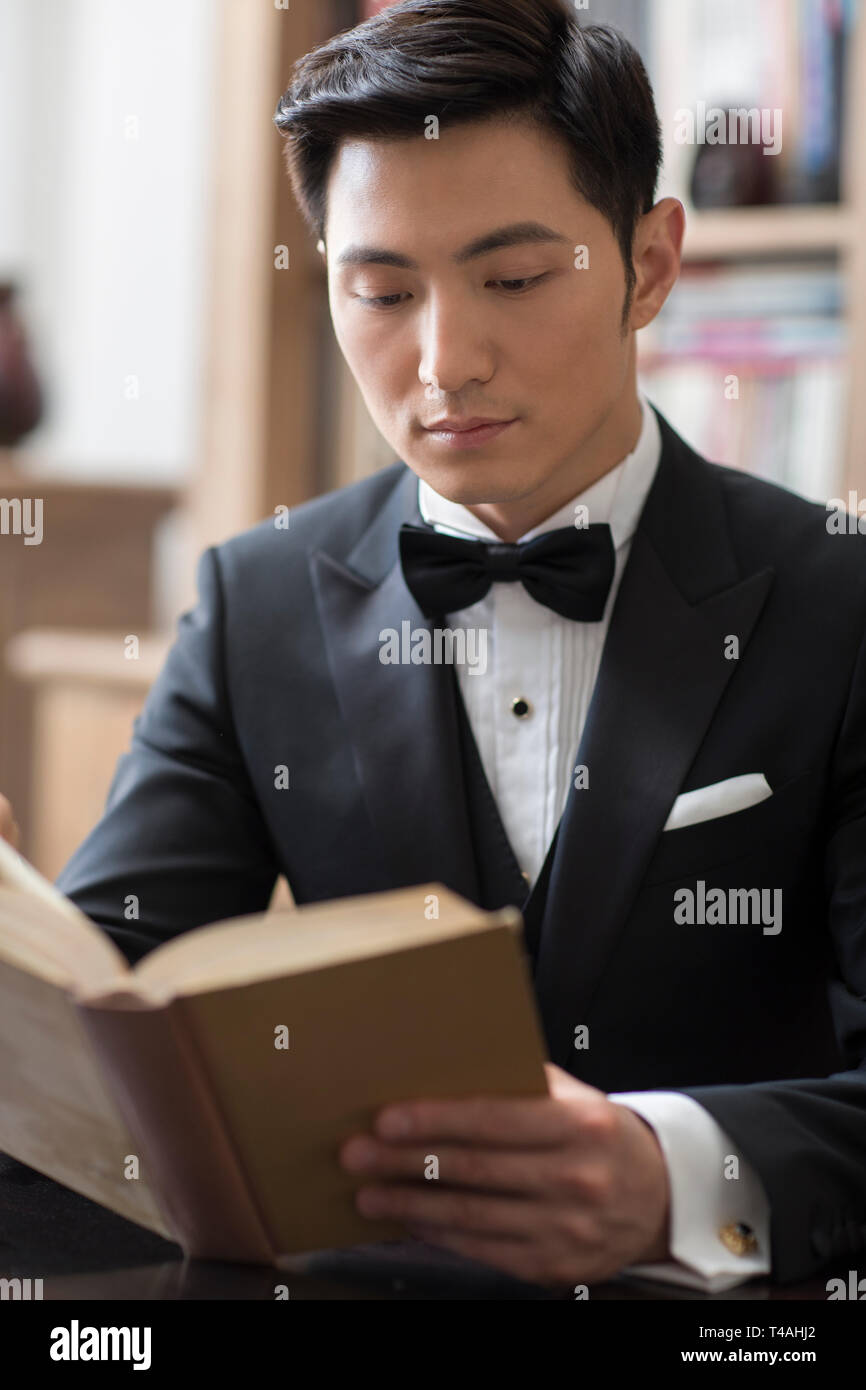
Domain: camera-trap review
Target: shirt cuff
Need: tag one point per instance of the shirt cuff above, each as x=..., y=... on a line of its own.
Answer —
x=699, y=1155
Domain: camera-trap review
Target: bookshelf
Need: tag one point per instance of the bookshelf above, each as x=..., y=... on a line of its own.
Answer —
x=773, y=233
x=768, y=232
x=830, y=232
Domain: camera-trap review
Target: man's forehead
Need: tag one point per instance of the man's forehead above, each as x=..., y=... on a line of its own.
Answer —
x=411, y=194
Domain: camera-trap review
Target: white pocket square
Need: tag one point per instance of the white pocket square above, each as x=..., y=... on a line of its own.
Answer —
x=720, y=799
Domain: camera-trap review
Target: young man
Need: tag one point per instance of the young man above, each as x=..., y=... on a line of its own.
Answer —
x=661, y=758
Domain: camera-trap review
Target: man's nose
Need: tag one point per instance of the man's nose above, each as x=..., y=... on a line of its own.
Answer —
x=454, y=349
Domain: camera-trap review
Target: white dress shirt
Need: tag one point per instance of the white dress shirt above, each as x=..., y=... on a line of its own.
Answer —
x=552, y=663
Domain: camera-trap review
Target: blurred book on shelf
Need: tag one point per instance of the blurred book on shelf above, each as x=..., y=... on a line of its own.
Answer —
x=750, y=364
x=751, y=98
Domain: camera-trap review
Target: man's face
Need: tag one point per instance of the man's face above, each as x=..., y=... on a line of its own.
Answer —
x=516, y=333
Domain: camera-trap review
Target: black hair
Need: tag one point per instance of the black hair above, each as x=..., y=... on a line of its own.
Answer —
x=469, y=60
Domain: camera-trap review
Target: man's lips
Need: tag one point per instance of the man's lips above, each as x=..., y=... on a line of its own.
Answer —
x=452, y=425
x=467, y=434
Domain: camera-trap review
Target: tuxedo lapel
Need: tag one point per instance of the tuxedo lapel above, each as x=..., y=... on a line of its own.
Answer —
x=663, y=671
x=402, y=719
x=662, y=674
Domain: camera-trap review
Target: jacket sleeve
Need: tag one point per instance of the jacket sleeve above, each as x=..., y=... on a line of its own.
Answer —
x=181, y=841
x=806, y=1138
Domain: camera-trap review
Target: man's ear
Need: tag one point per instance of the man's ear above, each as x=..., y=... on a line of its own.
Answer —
x=656, y=253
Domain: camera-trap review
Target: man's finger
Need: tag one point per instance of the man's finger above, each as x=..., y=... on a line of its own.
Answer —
x=430, y=1204
x=512, y=1123
x=527, y=1173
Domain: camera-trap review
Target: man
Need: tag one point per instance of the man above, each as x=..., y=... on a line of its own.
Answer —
x=661, y=757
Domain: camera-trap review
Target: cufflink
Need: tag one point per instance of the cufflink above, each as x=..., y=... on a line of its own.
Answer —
x=739, y=1238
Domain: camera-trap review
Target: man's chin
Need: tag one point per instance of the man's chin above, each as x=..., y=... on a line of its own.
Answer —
x=472, y=482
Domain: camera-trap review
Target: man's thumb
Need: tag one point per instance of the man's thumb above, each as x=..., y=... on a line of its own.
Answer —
x=8, y=825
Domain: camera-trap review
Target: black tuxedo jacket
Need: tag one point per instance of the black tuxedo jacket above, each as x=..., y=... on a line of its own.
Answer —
x=278, y=666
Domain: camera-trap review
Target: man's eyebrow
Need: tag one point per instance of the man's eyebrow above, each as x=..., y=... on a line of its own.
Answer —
x=516, y=234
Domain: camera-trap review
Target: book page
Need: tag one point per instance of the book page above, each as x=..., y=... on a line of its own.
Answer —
x=16, y=872
x=265, y=945
x=56, y=1112
x=42, y=931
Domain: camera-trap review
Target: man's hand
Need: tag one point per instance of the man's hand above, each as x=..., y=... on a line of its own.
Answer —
x=563, y=1189
x=8, y=826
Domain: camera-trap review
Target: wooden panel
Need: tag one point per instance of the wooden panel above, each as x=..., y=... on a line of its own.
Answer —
x=85, y=695
x=262, y=381
x=767, y=231
x=92, y=569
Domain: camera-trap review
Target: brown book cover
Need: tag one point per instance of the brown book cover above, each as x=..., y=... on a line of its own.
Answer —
x=205, y=1093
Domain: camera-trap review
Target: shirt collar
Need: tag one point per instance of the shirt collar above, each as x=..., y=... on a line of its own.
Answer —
x=616, y=498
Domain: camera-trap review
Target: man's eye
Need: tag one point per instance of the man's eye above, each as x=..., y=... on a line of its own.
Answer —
x=382, y=301
x=518, y=286
x=390, y=301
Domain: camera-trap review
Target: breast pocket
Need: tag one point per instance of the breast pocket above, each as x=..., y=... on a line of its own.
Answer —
x=785, y=816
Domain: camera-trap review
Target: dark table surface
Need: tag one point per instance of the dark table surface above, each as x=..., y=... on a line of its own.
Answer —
x=82, y=1251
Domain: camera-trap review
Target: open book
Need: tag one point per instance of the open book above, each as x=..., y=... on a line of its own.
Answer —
x=205, y=1093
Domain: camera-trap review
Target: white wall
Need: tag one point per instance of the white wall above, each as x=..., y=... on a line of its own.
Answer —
x=107, y=129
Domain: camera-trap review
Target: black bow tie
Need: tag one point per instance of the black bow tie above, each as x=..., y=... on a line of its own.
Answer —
x=569, y=570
